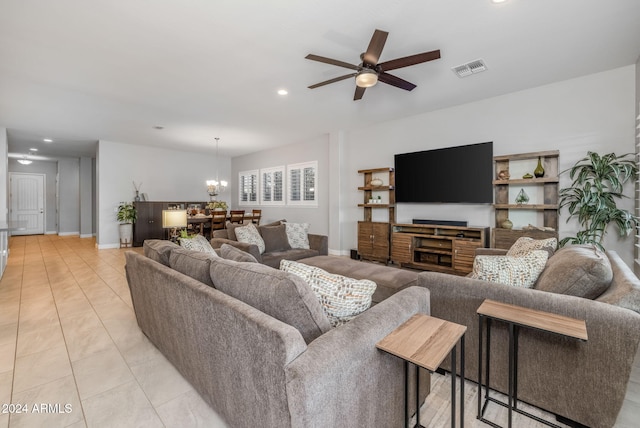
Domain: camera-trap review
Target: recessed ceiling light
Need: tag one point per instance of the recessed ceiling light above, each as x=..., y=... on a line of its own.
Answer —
x=33, y=149
x=158, y=127
x=282, y=92
x=499, y=1
x=48, y=140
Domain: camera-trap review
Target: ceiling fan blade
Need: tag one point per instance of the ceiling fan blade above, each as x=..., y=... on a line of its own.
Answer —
x=332, y=61
x=409, y=60
x=359, y=93
x=392, y=80
x=372, y=55
x=335, y=79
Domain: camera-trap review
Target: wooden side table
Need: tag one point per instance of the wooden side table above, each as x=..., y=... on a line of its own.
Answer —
x=516, y=317
x=425, y=341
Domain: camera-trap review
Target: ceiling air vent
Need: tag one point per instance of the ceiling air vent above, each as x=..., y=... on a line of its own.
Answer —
x=470, y=68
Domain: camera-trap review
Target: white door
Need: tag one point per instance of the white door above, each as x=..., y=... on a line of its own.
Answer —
x=27, y=203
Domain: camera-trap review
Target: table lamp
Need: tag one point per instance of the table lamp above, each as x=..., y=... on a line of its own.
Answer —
x=173, y=219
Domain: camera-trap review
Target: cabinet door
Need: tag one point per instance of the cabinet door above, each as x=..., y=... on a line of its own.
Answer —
x=365, y=239
x=380, y=242
x=401, y=248
x=149, y=222
x=463, y=254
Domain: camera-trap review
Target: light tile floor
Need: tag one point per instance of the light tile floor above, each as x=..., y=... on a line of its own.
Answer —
x=69, y=340
x=71, y=347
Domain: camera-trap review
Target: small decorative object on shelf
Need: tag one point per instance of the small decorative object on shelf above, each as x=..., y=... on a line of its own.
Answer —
x=137, y=187
x=376, y=182
x=503, y=175
x=522, y=197
x=527, y=175
x=539, y=171
x=507, y=224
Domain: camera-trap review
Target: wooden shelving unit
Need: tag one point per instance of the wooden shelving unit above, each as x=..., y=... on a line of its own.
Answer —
x=549, y=207
x=373, y=236
x=449, y=249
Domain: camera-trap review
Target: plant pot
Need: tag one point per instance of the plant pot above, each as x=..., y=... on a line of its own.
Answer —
x=126, y=234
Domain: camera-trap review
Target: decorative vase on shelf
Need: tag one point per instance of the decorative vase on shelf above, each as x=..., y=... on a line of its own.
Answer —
x=539, y=171
x=522, y=197
x=376, y=182
x=137, y=198
x=507, y=224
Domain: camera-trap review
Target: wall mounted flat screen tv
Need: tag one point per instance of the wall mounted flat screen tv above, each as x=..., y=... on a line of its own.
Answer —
x=460, y=174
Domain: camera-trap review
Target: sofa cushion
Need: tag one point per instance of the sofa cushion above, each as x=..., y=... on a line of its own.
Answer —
x=198, y=243
x=524, y=245
x=298, y=235
x=576, y=270
x=158, y=250
x=230, y=252
x=249, y=235
x=273, y=258
x=195, y=264
x=281, y=295
x=231, y=230
x=275, y=238
x=389, y=279
x=520, y=271
x=341, y=297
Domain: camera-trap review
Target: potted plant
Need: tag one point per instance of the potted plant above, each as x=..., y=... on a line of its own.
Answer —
x=597, y=185
x=127, y=215
x=217, y=206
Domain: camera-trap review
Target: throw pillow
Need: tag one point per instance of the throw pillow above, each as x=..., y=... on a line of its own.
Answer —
x=230, y=252
x=159, y=250
x=298, y=235
x=249, y=235
x=624, y=291
x=521, y=271
x=196, y=264
x=524, y=245
x=281, y=295
x=231, y=230
x=342, y=298
x=577, y=270
x=275, y=238
x=198, y=243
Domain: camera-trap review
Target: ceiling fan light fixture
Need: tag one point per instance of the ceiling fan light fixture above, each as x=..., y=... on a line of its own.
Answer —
x=366, y=78
x=25, y=161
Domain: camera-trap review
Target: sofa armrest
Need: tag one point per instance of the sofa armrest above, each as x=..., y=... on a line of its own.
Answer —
x=249, y=248
x=320, y=243
x=342, y=379
x=583, y=381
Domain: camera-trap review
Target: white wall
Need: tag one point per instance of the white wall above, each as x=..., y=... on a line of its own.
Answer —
x=316, y=149
x=166, y=175
x=595, y=112
x=4, y=176
x=68, y=196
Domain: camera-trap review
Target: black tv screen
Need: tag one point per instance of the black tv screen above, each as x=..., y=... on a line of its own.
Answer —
x=460, y=174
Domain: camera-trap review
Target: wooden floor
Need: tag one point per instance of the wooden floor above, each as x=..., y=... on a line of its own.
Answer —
x=68, y=336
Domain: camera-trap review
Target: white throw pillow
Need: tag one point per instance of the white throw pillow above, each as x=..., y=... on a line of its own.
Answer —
x=520, y=271
x=524, y=245
x=341, y=298
x=249, y=234
x=298, y=235
x=198, y=243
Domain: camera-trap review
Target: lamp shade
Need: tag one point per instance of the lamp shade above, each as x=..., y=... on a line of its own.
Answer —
x=174, y=218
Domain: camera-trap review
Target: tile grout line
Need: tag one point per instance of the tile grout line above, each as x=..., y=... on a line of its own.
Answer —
x=15, y=352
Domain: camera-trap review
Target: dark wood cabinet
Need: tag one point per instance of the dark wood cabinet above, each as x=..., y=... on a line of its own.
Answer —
x=149, y=222
x=379, y=193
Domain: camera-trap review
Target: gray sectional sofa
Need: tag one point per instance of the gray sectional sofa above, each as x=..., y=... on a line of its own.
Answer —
x=253, y=342
x=584, y=382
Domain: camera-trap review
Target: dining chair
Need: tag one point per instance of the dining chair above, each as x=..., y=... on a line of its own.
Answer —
x=237, y=216
x=255, y=217
x=218, y=220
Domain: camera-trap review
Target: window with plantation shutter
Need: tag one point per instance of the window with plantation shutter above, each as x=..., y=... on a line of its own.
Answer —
x=248, y=188
x=272, y=186
x=303, y=184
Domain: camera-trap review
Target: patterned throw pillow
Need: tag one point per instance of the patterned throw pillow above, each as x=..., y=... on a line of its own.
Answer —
x=298, y=235
x=524, y=245
x=249, y=235
x=521, y=271
x=341, y=298
x=198, y=243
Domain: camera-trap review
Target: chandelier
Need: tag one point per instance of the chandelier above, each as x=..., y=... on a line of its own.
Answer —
x=215, y=187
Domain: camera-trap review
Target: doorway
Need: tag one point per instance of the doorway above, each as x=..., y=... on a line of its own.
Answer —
x=26, y=203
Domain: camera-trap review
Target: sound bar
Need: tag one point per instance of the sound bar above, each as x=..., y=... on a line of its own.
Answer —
x=459, y=223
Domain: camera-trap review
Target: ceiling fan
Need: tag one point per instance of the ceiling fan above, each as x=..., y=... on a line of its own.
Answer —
x=369, y=72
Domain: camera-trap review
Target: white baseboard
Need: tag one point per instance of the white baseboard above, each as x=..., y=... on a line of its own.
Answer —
x=68, y=233
x=339, y=252
x=51, y=232
x=107, y=246
x=85, y=235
